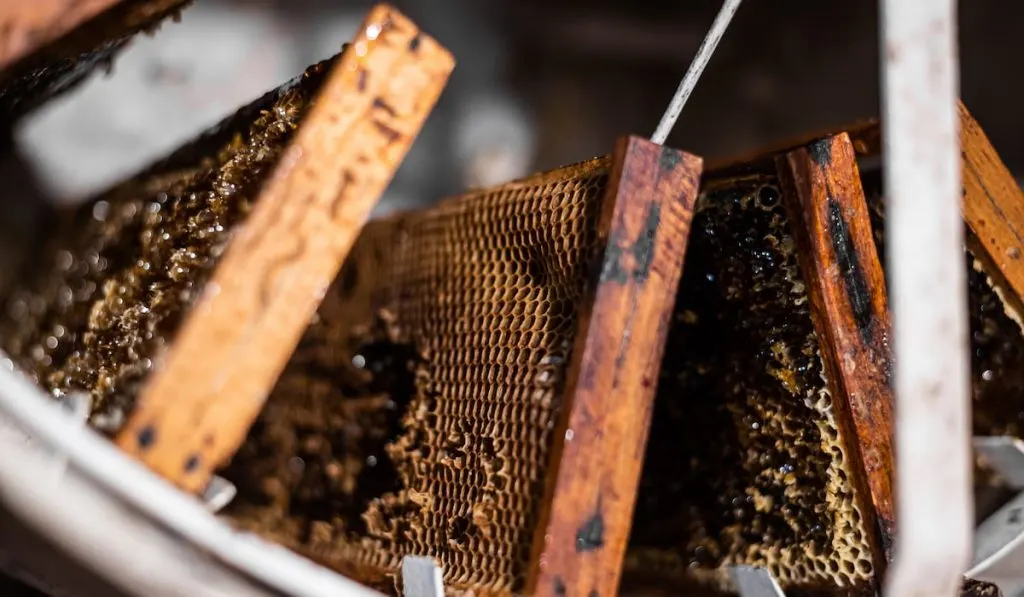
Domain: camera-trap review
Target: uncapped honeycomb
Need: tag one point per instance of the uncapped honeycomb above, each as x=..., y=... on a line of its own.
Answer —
x=745, y=463
x=107, y=297
x=997, y=354
x=62, y=64
x=416, y=416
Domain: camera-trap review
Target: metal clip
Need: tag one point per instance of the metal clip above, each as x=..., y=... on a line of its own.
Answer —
x=421, y=577
x=999, y=541
x=219, y=494
x=754, y=582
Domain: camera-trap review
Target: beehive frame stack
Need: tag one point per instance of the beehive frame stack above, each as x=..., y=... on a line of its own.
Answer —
x=774, y=391
x=364, y=110
x=522, y=319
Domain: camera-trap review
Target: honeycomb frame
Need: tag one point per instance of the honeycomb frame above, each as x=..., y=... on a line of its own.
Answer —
x=816, y=179
x=557, y=290
x=993, y=213
x=247, y=272
x=197, y=408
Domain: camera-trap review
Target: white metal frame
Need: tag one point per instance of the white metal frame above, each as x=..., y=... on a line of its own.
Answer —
x=928, y=276
x=123, y=521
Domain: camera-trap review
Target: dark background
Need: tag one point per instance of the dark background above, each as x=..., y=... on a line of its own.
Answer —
x=572, y=75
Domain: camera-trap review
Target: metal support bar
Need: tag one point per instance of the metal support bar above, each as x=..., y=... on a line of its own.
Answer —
x=928, y=277
x=999, y=546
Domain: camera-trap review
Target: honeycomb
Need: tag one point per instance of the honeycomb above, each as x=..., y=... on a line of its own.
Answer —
x=745, y=463
x=106, y=299
x=62, y=64
x=997, y=354
x=416, y=416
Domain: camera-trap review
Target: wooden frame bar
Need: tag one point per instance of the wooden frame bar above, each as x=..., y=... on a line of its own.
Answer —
x=539, y=309
x=198, y=405
x=822, y=186
x=27, y=27
x=600, y=442
x=48, y=46
x=993, y=208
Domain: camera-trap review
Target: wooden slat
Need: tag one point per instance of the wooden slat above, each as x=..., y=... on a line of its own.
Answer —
x=993, y=207
x=199, y=404
x=26, y=26
x=600, y=440
x=846, y=285
x=865, y=135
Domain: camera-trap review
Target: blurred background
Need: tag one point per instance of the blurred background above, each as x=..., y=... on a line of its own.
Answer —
x=539, y=83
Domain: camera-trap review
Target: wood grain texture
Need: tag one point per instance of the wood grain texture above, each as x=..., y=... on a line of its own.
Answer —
x=600, y=438
x=993, y=208
x=200, y=402
x=829, y=214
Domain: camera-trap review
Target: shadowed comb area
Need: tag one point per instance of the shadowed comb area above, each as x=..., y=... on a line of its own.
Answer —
x=49, y=46
x=746, y=462
x=105, y=299
x=997, y=351
x=416, y=416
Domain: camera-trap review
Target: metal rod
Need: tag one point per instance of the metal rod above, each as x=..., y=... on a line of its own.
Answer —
x=707, y=48
x=925, y=232
x=125, y=481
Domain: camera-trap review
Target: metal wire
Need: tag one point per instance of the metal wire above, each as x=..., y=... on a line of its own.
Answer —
x=707, y=48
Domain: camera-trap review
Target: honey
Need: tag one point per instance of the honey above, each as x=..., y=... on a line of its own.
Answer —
x=109, y=294
x=745, y=463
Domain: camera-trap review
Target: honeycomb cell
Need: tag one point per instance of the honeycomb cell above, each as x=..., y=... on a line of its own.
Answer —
x=745, y=463
x=473, y=305
x=109, y=294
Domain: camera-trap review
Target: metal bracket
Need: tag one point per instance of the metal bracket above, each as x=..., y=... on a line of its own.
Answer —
x=218, y=494
x=754, y=582
x=999, y=541
x=421, y=577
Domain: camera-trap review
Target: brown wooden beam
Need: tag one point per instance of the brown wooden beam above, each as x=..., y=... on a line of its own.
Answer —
x=837, y=254
x=198, y=405
x=600, y=439
x=993, y=208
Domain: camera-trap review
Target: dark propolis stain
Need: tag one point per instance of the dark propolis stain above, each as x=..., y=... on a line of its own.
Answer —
x=414, y=43
x=388, y=132
x=559, y=586
x=146, y=437
x=821, y=152
x=849, y=268
x=192, y=463
x=361, y=81
x=886, y=535
x=669, y=159
x=381, y=104
x=590, y=536
x=643, y=248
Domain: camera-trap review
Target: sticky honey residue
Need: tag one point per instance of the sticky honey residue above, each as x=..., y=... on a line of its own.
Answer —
x=483, y=291
x=745, y=464
x=107, y=300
